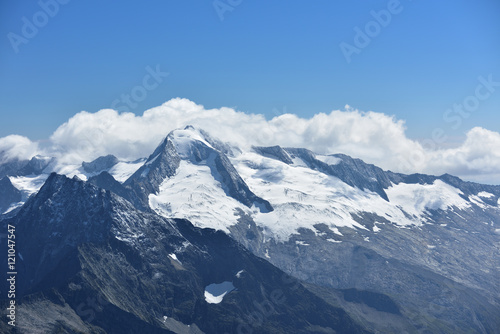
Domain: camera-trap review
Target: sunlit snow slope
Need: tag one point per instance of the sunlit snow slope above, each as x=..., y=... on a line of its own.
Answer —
x=301, y=196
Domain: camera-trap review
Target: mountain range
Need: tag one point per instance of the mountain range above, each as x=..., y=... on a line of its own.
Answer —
x=206, y=237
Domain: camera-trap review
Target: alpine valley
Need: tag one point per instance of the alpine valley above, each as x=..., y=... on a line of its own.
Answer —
x=206, y=237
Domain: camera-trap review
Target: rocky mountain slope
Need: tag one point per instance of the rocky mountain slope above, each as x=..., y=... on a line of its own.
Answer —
x=89, y=262
x=399, y=253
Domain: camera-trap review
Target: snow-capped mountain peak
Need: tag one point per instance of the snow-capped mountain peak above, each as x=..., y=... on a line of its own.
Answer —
x=284, y=189
x=189, y=172
x=332, y=220
x=187, y=140
x=193, y=175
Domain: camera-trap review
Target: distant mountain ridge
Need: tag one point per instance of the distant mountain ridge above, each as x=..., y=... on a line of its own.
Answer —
x=354, y=232
x=76, y=241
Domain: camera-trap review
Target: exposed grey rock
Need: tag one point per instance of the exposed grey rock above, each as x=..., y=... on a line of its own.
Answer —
x=34, y=166
x=100, y=164
x=275, y=152
x=217, y=144
x=165, y=161
x=12, y=168
x=354, y=172
x=440, y=277
x=8, y=194
x=95, y=264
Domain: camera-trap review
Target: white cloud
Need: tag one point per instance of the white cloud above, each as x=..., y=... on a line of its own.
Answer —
x=477, y=158
x=16, y=147
x=374, y=137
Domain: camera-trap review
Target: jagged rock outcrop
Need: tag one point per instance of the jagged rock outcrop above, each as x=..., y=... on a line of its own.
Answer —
x=8, y=194
x=92, y=263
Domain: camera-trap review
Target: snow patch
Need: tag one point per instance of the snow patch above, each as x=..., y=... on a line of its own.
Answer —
x=416, y=199
x=329, y=159
x=152, y=160
x=13, y=207
x=214, y=293
x=478, y=201
x=28, y=185
x=174, y=257
x=298, y=162
x=145, y=172
x=267, y=254
x=302, y=243
x=485, y=194
x=336, y=231
x=123, y=169
x=238, y=274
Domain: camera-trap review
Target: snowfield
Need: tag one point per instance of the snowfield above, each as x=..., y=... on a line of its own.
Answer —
x=301, y=197
x=415, y=199
x=194, y=194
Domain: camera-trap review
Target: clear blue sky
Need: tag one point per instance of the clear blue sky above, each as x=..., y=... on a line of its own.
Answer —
x=264, y=56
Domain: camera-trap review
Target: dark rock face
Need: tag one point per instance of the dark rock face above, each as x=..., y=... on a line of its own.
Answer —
x=427, y=274
x=354, y=172
x=233, y=184
x=107, y=182
x=435, y=274
x=375, y=300
x=275, y=152
x=8, y=194
x=361, y=175
x=163, y=163
x=34, y=166
x=91, y=263
x=100, y=164
x=12, y=168
x=472, y=188
x=217, y=144
x=99, y=240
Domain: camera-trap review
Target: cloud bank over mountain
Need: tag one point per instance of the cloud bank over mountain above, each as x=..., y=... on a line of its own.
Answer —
x=374, y=137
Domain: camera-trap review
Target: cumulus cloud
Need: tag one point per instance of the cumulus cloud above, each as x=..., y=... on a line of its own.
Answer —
x=374, y=137
x=477, y=158
x=16, y=147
